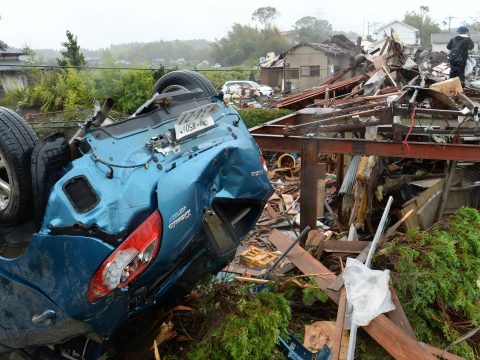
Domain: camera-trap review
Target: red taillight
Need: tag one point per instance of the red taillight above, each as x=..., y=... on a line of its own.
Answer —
x=264, y=164
x=129, y=259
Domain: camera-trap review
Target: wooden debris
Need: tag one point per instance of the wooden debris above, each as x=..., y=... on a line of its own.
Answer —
x=338, y=336
x=322, y=332
x=252, y=280
x=165, y=334
x=382, y=329
x=398, y=315
x=155, y=350
x=450, y=87
x=182, y=308
x=256, y=257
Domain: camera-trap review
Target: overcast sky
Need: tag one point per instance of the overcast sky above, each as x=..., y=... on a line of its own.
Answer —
x=99, y=23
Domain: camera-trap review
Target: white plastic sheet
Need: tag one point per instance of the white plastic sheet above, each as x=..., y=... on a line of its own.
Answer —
x=367, y=291
x=471, y=62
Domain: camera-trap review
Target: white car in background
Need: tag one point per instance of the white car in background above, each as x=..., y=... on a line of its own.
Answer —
x=232, y=86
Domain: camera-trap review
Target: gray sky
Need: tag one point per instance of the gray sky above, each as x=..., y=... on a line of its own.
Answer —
x=42, y=23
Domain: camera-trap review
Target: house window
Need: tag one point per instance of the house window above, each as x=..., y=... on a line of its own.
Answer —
x=310, y=70
x=305, y=70
x=291, y=74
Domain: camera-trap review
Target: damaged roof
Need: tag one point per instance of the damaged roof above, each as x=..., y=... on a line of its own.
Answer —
x=329, y=49
x=337, y=45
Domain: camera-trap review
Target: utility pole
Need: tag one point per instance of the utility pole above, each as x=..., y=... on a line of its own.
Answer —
x=449, y=21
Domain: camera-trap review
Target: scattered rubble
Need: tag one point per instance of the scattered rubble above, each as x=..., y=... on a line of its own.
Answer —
x=403, y=130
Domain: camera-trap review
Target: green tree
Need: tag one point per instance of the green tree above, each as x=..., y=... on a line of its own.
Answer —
x=311, y=29
x=71, y=55
x=424, y=23
x=473, y=26
x=245, y=45
x=265, y=15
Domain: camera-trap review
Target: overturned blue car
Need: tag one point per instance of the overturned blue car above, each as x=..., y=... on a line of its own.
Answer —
x=124, y=216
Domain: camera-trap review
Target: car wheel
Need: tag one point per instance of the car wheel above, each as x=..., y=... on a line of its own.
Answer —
x=17, y=141
x=184, y=80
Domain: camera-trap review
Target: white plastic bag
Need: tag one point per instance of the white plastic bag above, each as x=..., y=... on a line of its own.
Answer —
x=367, y=291
x=470, y=66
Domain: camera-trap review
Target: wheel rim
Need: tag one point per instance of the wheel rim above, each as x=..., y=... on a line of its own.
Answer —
x=5, y=183
x=172, y=88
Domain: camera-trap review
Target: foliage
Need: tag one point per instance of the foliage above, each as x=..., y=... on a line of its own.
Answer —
x=254, y=117
x=311, y=29
x=71, y=55
x=159, y=52
x=265, y=15
x=245, y=45
x=424, y=23
x=249, y=331
x=313, y=293
x=53, y=91
x=72, y=90
x=436, y=275
x=473, y=25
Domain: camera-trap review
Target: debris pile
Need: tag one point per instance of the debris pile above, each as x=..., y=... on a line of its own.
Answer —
x=371, y=172
x=401, y=131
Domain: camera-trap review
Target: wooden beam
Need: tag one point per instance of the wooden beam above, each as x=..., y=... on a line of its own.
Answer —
x=337, y=336
x=338, y=283
x=348, y=247
x=399, y=317
x=384, y=331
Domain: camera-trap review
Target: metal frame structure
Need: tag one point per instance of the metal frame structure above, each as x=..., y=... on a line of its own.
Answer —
x=294, y=133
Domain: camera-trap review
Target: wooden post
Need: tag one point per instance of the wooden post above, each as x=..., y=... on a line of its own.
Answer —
x=322, y=173
x=337, y=336
x=446, y=189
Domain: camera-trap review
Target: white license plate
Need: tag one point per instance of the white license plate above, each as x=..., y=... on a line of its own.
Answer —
x=196, y=120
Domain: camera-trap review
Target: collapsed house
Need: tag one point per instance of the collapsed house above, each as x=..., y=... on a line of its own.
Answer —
x=399, y=131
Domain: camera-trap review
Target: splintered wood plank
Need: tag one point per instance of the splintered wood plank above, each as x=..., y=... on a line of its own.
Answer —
x=337, y=335
x=383, y=330
x=338, y=283
x=350, y=247
x=398, y=315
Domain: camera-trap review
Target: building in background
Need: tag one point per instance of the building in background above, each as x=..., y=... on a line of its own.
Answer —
x=12, y=76
x=306, y=65
x=440, y=40
x=408, y=34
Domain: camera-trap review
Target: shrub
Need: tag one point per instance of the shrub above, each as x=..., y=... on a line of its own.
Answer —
x=249, y=331
x=436, y=275
x=254, y=117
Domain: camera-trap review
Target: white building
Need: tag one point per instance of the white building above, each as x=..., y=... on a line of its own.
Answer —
x=408, y=34
x=440, y=41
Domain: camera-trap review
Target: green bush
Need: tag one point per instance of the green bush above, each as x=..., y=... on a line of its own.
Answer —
x=249, y=331
x=436, y=275
x=254, y=117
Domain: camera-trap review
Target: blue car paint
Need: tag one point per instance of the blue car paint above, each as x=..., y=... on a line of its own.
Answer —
x=55, y=270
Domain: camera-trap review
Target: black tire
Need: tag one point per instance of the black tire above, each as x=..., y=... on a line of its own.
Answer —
x=184, y=80
x=17, y=141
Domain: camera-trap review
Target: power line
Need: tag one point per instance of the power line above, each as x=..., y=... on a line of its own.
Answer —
x=51, y=67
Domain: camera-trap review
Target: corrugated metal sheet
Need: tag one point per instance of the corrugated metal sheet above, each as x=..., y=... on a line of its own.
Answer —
x=350, y=177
